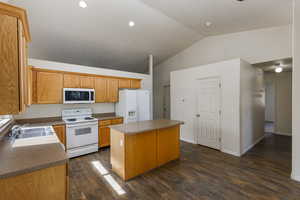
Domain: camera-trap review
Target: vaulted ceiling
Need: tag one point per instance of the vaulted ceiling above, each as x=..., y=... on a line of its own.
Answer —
x=99, y=35
x=226, y=16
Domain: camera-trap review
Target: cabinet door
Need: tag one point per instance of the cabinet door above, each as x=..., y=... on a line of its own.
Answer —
x=71, y=81
x=104, y=136
x=45, y=184
x=135, y=84
x=22, y=67
x=49, y=87
x=61, y=133
x=167, y=145
x=29, y=85
x=100, y=90
x=9, y=76
x=140, y=153
x=87, y=82
x=112, y=90
x=124, y=83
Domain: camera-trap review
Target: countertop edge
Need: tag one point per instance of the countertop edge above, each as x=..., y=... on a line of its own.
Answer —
x=114, y=127
x=33, y=169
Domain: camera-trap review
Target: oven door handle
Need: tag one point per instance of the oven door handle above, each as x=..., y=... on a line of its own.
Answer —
x=82, y=125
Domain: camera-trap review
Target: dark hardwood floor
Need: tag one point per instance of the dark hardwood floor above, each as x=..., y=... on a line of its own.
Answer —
x=201, y=173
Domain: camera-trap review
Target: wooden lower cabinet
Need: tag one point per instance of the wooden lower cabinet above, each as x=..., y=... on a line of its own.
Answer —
x=168, y=145
x=104, y=136
x=60, y=131
x=140, y=151
x=104, y=131
x=135, y=154
x=45, y=184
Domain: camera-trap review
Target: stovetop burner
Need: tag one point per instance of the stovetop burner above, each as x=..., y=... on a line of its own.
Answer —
x=88, y=118
x=71, y=120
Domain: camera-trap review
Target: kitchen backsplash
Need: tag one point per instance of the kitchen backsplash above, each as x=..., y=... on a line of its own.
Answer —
x=54, y=110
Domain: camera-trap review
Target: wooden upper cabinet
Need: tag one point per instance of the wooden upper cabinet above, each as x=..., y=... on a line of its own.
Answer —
x=13, y=62
x=77, y=81
x=100, y=89
x=124, y=83
x=14, y=35
x=49, y=87
x=22, y=67
x=48, y=84
x=87, y=82
x=135, y=84
x=71, y=81
x=9, y=80
x=29, y=85
x=112, y=90
x=129, y=83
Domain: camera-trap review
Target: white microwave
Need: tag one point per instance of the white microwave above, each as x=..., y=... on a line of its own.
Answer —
x=78, y=95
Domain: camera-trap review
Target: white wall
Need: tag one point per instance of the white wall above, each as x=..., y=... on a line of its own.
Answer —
x=242, y=95
x=53, y=110
x=282, y=83
x=253, y=46
x=5, y=1
x=269, y=99
x=183, y=101
x=252, y=105
x=296, y=93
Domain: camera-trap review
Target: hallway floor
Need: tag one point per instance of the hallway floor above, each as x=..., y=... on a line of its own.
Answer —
x=263, y=173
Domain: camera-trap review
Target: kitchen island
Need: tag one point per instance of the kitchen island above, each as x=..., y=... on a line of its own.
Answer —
x=142, y=146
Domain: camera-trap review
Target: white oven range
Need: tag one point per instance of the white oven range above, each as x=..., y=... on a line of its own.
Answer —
x=81, y=131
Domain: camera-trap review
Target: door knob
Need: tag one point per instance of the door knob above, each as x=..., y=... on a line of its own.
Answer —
x=198, y=115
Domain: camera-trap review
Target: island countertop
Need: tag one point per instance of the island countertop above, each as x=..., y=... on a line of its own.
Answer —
x=144, y=126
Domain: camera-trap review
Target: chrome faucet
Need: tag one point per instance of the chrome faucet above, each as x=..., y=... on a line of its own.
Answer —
x=15, y=131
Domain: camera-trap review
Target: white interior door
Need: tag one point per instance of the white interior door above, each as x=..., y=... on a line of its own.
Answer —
x=208, y=113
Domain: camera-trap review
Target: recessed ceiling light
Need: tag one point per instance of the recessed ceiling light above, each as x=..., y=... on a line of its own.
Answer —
x=208, y=24
x=131, y=23
x=82, y=4
x=278, y=69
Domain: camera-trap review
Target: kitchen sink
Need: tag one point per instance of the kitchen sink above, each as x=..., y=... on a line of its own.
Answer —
x=30, y=132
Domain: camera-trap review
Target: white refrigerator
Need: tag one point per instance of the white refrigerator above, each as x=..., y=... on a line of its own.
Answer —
x=134, y=105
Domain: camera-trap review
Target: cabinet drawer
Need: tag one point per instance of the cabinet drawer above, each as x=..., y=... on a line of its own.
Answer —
x=117, y=121
x=104, y=122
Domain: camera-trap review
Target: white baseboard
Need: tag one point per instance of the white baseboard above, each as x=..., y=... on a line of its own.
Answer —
x=231, y=152
x=294, y=177
x=188, y=141
x=252, y=145
x=284, y=134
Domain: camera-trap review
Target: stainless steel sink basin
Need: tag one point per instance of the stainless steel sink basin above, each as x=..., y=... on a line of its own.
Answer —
x=29, y=132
